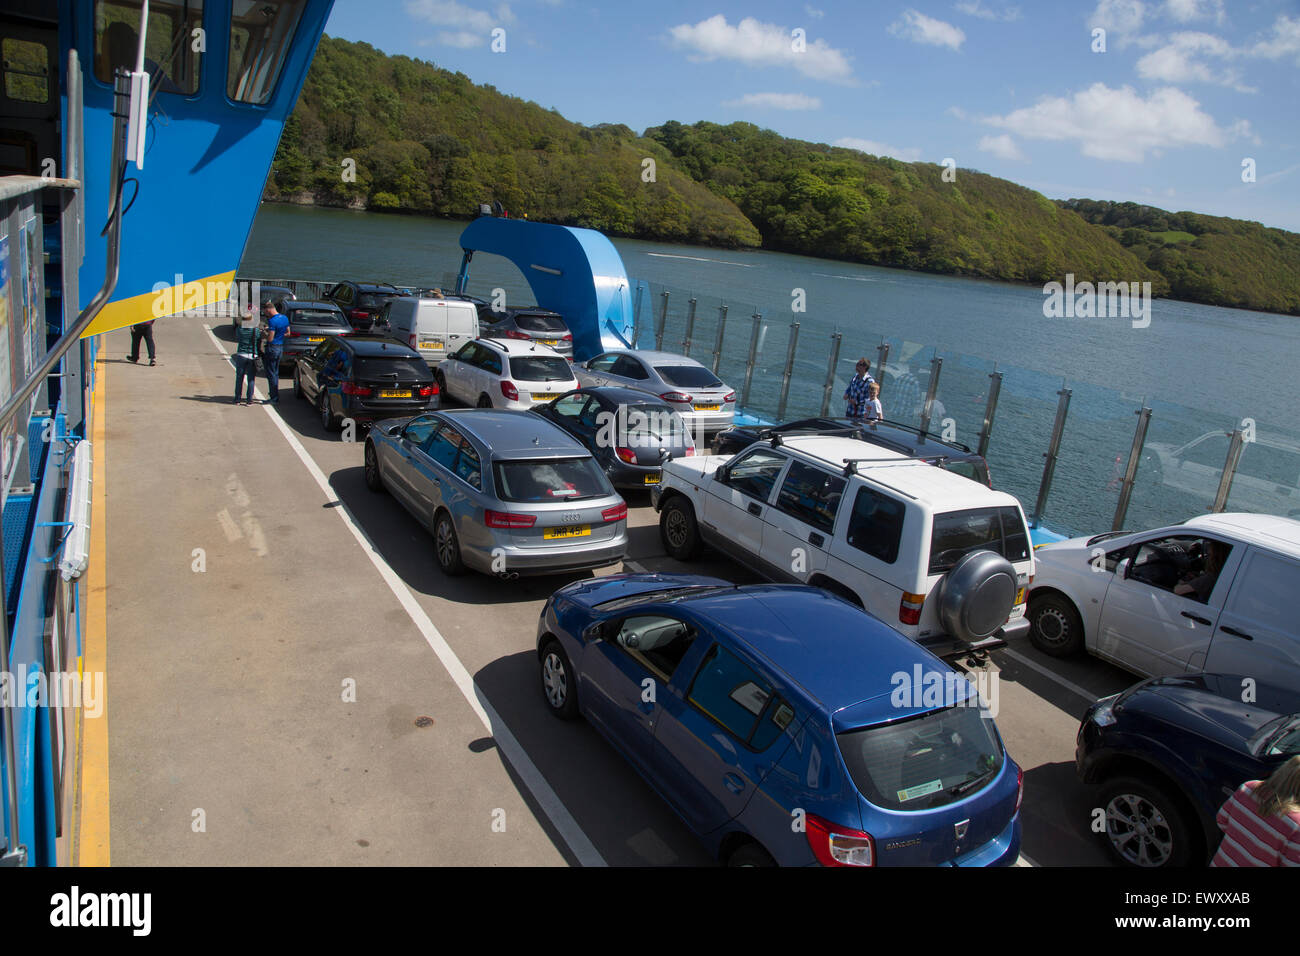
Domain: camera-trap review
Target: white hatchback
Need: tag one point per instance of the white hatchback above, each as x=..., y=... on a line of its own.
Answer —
x=502, y=373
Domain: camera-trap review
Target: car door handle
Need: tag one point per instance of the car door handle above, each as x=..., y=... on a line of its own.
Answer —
x=733, y=782
x=755, y=509
x=1198, y=619
x=816, y=539
x=1235, y=633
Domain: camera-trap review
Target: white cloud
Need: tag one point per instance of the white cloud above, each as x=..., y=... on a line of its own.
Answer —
x=975, y=8
x=462, y=38
x=909, y=155
x=813, y=11
x=1284, y=42
x=1185, y=11
x=761, y=44
x=469, y=26
x=777, y=101
x=922, y=29
x=1118, y=16
x=1120, y=124
x=1180, y=61
x=1002, y=146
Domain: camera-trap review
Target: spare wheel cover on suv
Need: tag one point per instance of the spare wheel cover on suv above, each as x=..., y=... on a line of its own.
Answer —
x=976, y=595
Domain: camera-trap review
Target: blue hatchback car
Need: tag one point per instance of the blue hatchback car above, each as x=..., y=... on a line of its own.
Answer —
x=782, y=724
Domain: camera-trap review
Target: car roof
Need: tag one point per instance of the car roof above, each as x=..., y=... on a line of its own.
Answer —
x=312, y=304
x=373, y=345
x=1267, y=531
x=650, y=356
x=836, y=653
x=514, y=347
x=509, y=433
x=625, y=396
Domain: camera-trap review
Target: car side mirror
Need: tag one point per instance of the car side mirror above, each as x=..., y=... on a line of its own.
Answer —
x=594, y=632
x=1123, y=567
x=723, y=473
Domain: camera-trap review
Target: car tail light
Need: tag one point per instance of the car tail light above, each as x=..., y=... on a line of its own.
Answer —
x=616, y=513
x=626, y=454
x=690, y=450
x=508, y=390
x=515, y=334
x=358, y=314
x=675, y=397
x=836, y=845
x=411, y=340
x=567, y=337
x=909, y=608
x=729, y=397
x=505, y=519
x=351, y=388
x=427, y=391
x=1020, y=788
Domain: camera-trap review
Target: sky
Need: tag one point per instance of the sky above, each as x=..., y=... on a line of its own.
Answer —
x=1180, y=104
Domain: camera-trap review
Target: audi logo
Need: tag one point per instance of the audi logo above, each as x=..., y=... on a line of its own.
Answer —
x=571, y=517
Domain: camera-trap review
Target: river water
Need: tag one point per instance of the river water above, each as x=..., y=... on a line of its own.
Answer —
x=1203, y=370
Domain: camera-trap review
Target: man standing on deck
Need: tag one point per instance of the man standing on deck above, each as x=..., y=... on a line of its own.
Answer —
x=245, y=357
x=141, y=330
x=856, y=395
x=277, y=324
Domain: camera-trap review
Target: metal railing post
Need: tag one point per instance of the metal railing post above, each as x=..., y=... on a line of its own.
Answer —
x=636, y=314
x=936, y=366
x=1053, y=449
x=882, y=356
x=661, y=322
x=789, y=369
x=1235, y=447
x=717, y=344
x=990, y=409
x=753, y=357
x=1130, y=472
x=690, y=326
x=831, y=365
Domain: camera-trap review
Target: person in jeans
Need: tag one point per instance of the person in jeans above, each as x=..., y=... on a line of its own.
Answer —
x=245, y=357
x=141, y=330
x=277, y=324
x=1261, y=821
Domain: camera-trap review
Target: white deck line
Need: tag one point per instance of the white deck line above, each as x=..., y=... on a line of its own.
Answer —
x=558, y=814
x=1087, y=695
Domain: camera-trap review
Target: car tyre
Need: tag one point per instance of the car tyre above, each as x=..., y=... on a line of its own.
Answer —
x=484, y=402
x=446, y=546
x=374, y=480
x=1145, y=826
x=297, y=384
x=750, y=854
x=1055, y=627
x=559, y=686
x=678, y=529
x=441, y=381
x=327, y=419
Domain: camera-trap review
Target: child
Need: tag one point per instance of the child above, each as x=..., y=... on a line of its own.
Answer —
x=874, y=412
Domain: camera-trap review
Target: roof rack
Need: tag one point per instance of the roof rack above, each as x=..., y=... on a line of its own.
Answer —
x=928, y=436
x=851, y=464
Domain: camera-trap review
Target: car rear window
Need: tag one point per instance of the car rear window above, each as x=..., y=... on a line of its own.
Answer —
x=374, y=301
x=956, y=533
x=328, y=320
x=925, y=762
x=540, y=368
x=688, y=376
x=658, y=421
x=541, y=323
x=550, y=479
x=407, y=368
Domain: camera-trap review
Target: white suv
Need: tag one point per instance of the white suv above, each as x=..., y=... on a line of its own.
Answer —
x=1212, y=594
x=941, y=558
x=503, y=373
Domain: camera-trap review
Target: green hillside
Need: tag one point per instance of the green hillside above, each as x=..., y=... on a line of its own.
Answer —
x=424, y=140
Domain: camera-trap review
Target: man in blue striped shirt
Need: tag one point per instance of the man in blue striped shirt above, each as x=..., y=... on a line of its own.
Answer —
x=857, y=394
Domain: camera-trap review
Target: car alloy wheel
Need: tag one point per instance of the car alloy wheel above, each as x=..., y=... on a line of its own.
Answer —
x=446, y=547
x=556, y=684
x=374, y=480
x=327, y=419
x=1138, y=830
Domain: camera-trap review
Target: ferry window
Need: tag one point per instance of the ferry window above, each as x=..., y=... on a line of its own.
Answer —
x=260, y=34
x=26, y=71
x=169, y=55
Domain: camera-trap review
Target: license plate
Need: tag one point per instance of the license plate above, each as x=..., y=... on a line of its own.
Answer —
x=568, y=531
x=431, y=345
x=315, y=338
x=708, y=408
x=1020, y=596
x=394, y=393
x=544, y=396
x=550, y=341
x=652, y=479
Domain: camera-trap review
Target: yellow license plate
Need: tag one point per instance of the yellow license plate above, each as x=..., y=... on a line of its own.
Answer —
x=568, y=531
x=315, y=338
x=544, y=396
x=550, y=341
x=708, y=408
x=432, y=345
x=1020, y=596
x=652, y=479
x=394, y=393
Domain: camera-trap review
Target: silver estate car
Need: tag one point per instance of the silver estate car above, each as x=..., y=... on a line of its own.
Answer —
x=503, y=492
x=691, y=389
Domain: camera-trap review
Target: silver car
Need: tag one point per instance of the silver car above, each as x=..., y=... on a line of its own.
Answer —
x=691, y=389
x=503, y=492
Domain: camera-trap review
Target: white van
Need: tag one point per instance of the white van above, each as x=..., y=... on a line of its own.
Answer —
x=433, y=327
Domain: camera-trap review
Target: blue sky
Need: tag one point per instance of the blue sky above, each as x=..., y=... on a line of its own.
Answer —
x=1184, y=92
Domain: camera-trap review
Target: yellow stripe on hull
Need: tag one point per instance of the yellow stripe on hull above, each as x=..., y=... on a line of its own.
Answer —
x=167, y=300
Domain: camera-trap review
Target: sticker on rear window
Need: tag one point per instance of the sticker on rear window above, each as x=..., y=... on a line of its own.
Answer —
x=911, y=793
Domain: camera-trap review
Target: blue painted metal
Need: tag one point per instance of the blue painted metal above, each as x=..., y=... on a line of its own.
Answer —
x=17, y=514
x=576, y=272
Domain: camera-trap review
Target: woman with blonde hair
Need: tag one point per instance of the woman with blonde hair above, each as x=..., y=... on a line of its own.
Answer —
x=1261, y=821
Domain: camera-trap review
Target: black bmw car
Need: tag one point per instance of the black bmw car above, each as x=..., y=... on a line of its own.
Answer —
x=1169, y=751
x=364, y=378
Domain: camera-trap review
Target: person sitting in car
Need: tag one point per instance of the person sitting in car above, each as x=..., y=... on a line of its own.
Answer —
x=1199, y=587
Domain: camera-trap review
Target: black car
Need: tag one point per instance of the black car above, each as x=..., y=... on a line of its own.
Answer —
x=278, y=294
x=531, y=324
x=364, y=378
x=309, y=324
x=362, y=302
x=630, y=433
x=904, y=439
x=1169, y=751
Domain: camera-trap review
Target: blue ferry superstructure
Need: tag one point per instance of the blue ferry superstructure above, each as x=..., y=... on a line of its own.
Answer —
x=91, y=242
